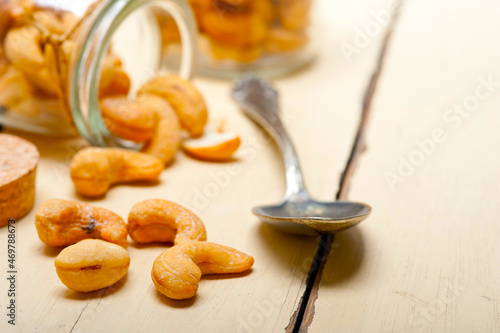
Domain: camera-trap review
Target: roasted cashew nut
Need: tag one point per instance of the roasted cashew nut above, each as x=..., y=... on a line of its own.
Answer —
x=127, y=119
x=166, y=137
x=237, y=28
x=23, y=49
x=184, y=98
x=61, y=223
x=91, y=264
x=294, y=14
x=94, y=170
x=15, y=90
x=159, y=220
x=114, y=80
x=177, y=271
x=214, y=145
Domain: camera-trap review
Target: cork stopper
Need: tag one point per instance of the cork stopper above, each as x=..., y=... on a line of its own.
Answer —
x=18, y=161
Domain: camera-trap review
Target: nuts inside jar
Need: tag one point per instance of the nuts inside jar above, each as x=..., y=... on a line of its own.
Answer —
x=244, y=31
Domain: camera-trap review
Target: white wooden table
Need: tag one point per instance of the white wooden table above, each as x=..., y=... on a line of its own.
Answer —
x=427, y=260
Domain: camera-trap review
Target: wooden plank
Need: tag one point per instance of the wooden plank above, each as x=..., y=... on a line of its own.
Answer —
x=304, y=314
x=45, y=304
x=320, y=107
x=426, y=261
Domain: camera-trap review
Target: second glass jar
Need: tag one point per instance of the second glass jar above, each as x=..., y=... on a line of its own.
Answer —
x=271, y=37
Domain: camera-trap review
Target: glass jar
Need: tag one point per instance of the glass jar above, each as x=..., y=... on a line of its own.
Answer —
x=270, y=37
x=59, y=57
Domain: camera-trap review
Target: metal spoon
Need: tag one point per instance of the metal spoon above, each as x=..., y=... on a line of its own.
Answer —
x=298, y=213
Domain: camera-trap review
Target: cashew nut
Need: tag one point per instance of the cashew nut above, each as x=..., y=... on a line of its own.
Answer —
x=166, y=138
x=177, y=271
x=50, y=21
x=214, y=145
x=94, y=170
x=114, y=80
x=91, y=264
x=23, y=49
x=294, y=14
x=127, y=119
x=61, y=223
x=184, y=98
x=159, y=220
x=238, y=28
x=16, y=94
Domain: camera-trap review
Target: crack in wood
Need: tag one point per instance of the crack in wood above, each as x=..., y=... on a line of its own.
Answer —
x=81, y=312
x=304, y=314
x=77, y=319
x=311, y=292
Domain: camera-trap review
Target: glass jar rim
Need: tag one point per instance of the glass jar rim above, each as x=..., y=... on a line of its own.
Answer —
x=88, y=58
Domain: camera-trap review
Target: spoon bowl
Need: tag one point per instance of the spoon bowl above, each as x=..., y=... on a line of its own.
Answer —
x=313, y=217
x=299, y=213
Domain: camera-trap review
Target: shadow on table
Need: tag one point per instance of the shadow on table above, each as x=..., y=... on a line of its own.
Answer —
x=51, y=251
x=343, y=263
x=178, y=304
x=115, y=187
x=283, y=247
x=346, y=257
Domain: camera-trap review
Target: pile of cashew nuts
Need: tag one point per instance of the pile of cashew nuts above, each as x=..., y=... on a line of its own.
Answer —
x=36, y=45
x=245, y=30
x=96, y=240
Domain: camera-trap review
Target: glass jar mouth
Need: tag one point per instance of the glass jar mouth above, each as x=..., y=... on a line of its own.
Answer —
x=91, y=49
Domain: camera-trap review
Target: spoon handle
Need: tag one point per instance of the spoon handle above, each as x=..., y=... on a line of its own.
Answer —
x=259, y=101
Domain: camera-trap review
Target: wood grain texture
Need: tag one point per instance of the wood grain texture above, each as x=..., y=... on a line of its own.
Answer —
x=426, y=260
x=133, y=304
x=320, y=108
x=304, y=314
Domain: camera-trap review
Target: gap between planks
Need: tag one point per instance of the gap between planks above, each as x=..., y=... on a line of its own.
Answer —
x=304, y=314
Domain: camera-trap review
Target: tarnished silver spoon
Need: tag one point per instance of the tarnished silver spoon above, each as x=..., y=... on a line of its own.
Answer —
x=298, y=213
